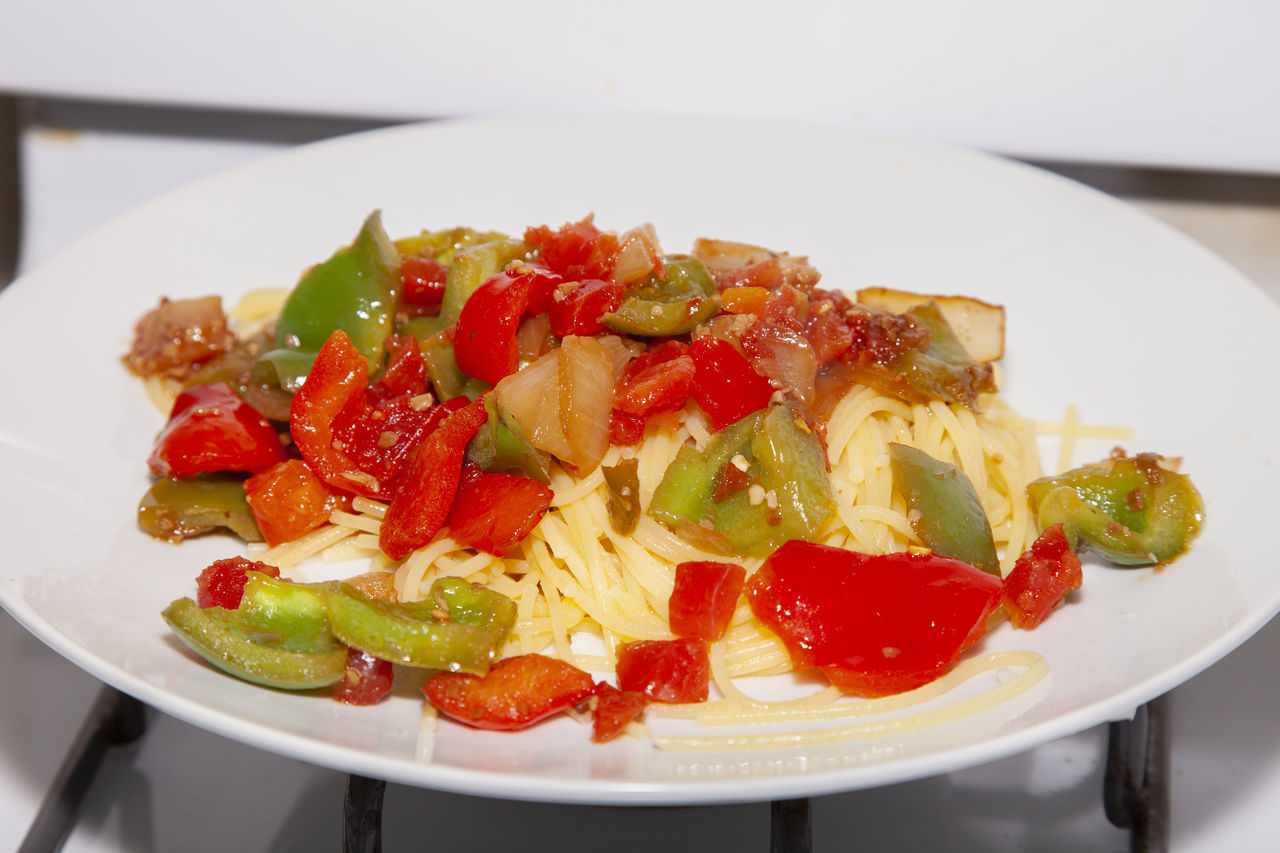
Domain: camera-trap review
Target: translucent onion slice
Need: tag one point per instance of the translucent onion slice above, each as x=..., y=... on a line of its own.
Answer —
x=586, y=398
x=532, y=397
x=638, y=255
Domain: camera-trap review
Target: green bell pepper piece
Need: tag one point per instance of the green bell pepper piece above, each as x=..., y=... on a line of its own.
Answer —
x=278, y=636
x=623, y=483
x=174, y=509
x=790, y=493
x=444, y=244
x=424, y=634
x=943, y=508
x=662, y=307
x=1132, y=510
x=476, y=606
x=471, y=267
x=356, y=290
x=943, y=370
x=500, y=445
x=447, y=379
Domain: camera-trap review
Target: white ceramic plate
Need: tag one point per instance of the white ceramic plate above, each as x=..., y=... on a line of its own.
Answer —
x=1107, y=309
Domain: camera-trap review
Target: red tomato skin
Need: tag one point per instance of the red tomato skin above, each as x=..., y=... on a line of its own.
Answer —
x=212, y=429
x=336, y=383
x=725, y=385
x=493, y=512
x=367, y=679
x=579, y=311
x=876, y=625
x=704, y=598
x=658, y=380
x=222, y=583
x=614, y=708
x=362, y=435
x=484, y=338
x=422, y=282
x=406, y=372
x=677, y=671
x=516, y=693
x=1041, y=577
x=577, y=250
x=288, y=500
x=429, y=483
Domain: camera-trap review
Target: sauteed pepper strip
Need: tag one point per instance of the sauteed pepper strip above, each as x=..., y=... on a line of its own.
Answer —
x=1133, y=510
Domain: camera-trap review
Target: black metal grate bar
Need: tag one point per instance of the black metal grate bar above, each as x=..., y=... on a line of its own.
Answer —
x=113, y=720
x=362, y=815
x=790, y=826
x=1136, y=785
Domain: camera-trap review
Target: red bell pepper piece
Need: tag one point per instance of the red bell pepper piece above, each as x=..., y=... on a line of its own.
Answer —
x=578, y=312
x=666, y=670
x=725, y=384
x=287, y=500
x=1041, y=577
x=429, y=483
x=494, y=512
x=336, y=383
x=367, y=679
x=484, y=339
x=211, y=428
x=422, y=283
x=613, y=709
x=517, y=692
x=876, y=625
x=356, y=438
x=704, y=598
x=576, y=250
x=222, y=583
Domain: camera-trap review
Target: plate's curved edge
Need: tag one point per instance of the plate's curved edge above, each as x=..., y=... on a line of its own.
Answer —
x=606, y=791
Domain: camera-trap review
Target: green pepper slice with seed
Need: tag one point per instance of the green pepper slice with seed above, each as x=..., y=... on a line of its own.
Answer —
x=785, y=493
x=425, y=634
x=663, y=307
x=1132, y=510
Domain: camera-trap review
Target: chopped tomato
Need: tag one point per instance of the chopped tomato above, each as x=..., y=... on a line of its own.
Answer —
x=212, y=429
x=876, y=625
x=222, y=583
x=704, y=598
x=577, y=250
x=766, y=275
x=725, y=384
x=614, y=708
x=517, y=692
x=367, y=679
x=484, y=339
x=356, y=438
x=287, y=500
x=430, y=482
x=658, y=380
x=422, y=283
x=406, y=372
x=494, y=512
x=666, y=670
x=1041, y=577
x=578, y=311
x=379, y=439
